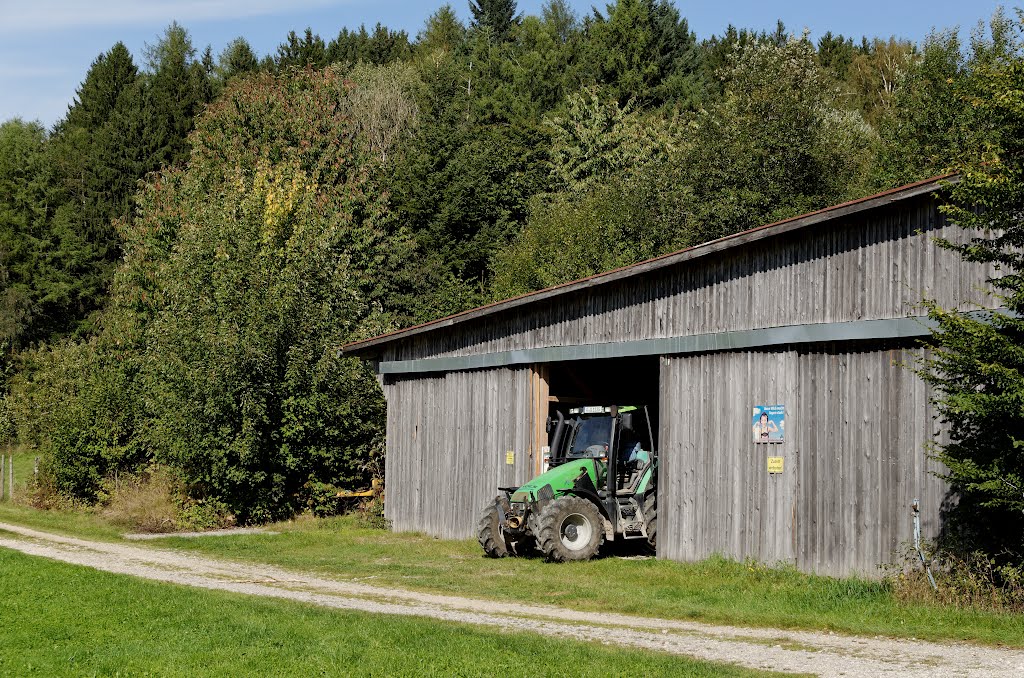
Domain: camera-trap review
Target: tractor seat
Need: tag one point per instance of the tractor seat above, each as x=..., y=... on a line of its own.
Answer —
x=629, y=487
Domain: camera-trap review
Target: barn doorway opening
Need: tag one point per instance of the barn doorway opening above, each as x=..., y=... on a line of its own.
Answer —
x=628, y=381
x=612, y=381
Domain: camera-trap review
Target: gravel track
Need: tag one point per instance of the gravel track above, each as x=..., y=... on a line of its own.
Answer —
x=825, y=654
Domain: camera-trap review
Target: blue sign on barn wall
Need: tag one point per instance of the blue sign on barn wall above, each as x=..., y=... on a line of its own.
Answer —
x=769, y=423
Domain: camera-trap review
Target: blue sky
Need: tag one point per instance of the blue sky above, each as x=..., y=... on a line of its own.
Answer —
x=46, y=46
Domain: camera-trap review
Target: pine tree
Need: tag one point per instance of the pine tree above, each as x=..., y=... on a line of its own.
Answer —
x=387, y=46
x=23, y=233
x=100, y=191
x=305, y=52
x=836, y=54
x=350, y=47
x=443, y=32
x=497, y=16
x=178, y=90
x=644, y=50
x=91, y=186
x=977, y=365
x=110, y=74
x=236, y=59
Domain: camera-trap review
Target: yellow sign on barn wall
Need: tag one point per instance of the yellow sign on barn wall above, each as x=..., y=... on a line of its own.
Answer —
x=775, y=464
x=510, y=457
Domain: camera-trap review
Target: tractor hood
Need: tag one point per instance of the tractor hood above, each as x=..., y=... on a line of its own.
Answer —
x=561, y=478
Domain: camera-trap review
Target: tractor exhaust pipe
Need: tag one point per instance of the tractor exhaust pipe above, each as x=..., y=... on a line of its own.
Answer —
x=556, y=439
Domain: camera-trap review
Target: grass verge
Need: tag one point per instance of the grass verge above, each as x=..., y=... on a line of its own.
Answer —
x=59, y=619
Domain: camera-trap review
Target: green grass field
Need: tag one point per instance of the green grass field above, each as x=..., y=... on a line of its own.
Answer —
x=58, y=619
x=715, y=590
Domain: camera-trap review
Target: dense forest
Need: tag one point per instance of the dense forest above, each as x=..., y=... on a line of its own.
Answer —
x=181, y=254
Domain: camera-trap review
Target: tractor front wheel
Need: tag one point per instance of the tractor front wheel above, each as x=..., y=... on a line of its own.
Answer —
x=651, y=519
x=489, y=533
x=571, y=528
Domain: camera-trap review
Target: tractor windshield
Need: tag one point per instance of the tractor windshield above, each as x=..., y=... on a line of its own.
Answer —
x=591, y=438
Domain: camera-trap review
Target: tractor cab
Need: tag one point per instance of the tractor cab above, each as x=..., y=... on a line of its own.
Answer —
x=620, y=438
x=598, y=485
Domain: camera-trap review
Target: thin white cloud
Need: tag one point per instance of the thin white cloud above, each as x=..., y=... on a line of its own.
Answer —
x=19, y=16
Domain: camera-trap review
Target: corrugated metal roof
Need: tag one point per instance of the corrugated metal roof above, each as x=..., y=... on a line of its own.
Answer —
x=728, y=242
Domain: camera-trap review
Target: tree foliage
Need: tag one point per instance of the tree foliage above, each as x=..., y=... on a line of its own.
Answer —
x=875, y=72
x=498, y=18
x=237, y=58
x=248, y=397
x=643, y=50
x=595, y=139
x=977, y=365
x=228, y=312
x=930, y=124
x=27, y=279
x=777, y=144
x=172, y=292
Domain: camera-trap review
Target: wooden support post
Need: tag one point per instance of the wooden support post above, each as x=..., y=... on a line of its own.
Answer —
x=3, y=467
x=10, y=474
x=539, y=414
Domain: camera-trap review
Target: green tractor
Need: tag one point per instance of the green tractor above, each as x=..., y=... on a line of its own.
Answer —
x=600, y=486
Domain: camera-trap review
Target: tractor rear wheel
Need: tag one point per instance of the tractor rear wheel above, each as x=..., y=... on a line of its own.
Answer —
x=651, y=518
x=489, y=533
x=571, y=528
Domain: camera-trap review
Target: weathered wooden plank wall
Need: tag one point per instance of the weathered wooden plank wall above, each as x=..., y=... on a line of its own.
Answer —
x=866, y=421
x=715, y=495
x=447, y=439
x=856, y=424
x=869, y=266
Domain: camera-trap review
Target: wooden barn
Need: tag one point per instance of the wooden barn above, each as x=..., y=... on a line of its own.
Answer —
x=814, y=319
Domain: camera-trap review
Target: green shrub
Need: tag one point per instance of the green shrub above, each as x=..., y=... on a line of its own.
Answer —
x=968, y=580
x=204, y=514
x=76, y=402
x=370, y=513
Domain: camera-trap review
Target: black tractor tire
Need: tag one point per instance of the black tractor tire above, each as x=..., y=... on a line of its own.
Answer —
x=651, y=518
x=489, y=533
x=571, y=528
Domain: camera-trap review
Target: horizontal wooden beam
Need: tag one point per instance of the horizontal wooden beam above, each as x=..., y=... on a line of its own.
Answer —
x=815, y=333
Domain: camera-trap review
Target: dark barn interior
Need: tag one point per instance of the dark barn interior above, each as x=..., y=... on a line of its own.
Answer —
x=612, y=381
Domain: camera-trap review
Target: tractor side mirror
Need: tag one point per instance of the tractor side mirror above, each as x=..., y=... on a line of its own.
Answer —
x=627, y=421
x=549, y=425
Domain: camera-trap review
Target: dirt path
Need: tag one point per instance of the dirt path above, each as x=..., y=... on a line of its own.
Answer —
x=824, y=654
